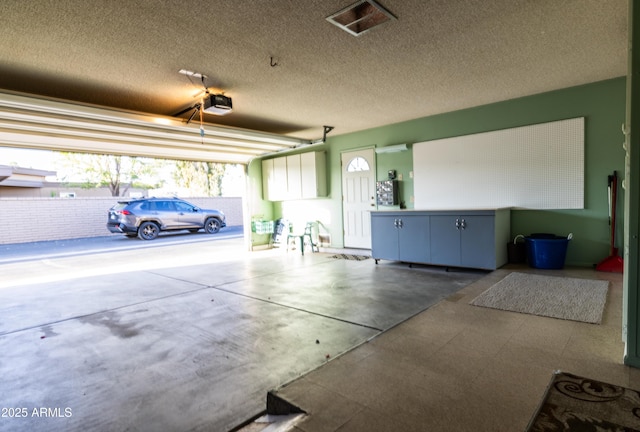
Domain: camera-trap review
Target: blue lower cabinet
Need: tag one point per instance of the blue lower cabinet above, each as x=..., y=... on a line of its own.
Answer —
x=385, y=243
x=445, y=238
x=400, y=237
x=470, y=238
x=464, y=241
x=413, y=233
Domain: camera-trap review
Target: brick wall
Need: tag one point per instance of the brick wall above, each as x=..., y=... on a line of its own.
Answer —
x=37, y=219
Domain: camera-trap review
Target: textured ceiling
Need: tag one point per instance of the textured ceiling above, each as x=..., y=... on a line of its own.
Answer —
x=438, y=56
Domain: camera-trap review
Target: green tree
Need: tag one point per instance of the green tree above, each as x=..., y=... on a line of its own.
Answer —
x=118, y=173
x=204, y=178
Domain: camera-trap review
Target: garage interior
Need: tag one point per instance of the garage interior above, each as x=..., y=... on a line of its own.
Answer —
x=128, y=79
x=193, y=336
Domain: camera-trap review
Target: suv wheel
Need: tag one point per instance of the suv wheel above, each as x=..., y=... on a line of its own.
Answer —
x=212, y=225
x=148, y=231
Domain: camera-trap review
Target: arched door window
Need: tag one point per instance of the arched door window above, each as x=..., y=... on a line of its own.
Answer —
x=358, y=164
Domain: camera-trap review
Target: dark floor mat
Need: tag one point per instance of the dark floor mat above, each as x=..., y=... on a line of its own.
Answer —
x=350, y=257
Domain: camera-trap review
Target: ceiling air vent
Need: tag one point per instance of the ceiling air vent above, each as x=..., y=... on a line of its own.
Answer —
x=360, y=17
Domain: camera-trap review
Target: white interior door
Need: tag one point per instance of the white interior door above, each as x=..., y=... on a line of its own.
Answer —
x=358, y=197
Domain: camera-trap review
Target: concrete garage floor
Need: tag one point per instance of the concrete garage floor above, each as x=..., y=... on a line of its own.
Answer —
x=187, y=337
x=458, y=367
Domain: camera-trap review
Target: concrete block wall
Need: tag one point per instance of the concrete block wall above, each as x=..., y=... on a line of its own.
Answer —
x=27, y=220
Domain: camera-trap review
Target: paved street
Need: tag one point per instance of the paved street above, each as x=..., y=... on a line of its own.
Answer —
x=115, y=242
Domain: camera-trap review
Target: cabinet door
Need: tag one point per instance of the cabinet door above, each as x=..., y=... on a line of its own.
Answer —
x=267, y=179
x=384, y=237
x=477, y=242
x=309, y=175
x=274, y=179
x=313, y=171
x=278, y=191
x=294, y=178
x=445, y=240
x=413, y=239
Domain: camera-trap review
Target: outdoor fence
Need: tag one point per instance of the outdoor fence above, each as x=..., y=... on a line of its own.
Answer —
x=27, y=220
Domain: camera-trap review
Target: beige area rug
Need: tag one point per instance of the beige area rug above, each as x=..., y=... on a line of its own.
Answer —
x=551, y=296
x=577, y=404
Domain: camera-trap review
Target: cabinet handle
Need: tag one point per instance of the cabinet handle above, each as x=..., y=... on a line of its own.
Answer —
x=457, y=223
x=463, y=225
x=399, y=223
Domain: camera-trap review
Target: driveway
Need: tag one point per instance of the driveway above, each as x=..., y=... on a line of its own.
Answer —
x=186, y=336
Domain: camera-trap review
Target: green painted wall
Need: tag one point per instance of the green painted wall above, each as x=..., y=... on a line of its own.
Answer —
x=402, y=164
x=603, y=106
x=258, y=208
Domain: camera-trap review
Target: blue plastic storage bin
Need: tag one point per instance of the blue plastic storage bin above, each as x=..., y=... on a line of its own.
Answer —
x=546, y=251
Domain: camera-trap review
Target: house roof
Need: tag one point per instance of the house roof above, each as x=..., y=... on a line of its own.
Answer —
x=290, y=71
x=23, y=177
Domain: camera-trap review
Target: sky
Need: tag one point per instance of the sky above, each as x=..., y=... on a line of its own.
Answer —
x=36, y=159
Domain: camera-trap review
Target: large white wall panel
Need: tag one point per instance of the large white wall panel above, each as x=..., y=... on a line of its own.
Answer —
x=535, y=167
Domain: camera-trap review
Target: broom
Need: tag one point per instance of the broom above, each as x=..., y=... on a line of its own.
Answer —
x=613, y=263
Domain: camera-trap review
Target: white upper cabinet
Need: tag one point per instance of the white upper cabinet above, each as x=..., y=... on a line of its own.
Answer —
x=300, y=176
x=274, y=179
x=313, y=169
x=294, y=182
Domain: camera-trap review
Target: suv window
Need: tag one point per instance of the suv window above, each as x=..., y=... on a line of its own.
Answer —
x=120, y=206
x=163, y=206
x=184, y=207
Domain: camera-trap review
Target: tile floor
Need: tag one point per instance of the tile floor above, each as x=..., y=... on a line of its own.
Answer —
x=457, y=367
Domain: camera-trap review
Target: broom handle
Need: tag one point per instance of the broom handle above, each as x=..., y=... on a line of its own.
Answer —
x=614, y=190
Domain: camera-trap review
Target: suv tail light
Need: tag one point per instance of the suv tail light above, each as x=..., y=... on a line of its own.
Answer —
x=125, y=212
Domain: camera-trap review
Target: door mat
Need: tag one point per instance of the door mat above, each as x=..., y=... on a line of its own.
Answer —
x=551, y=296
x=573, y=404
x=350, y=257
